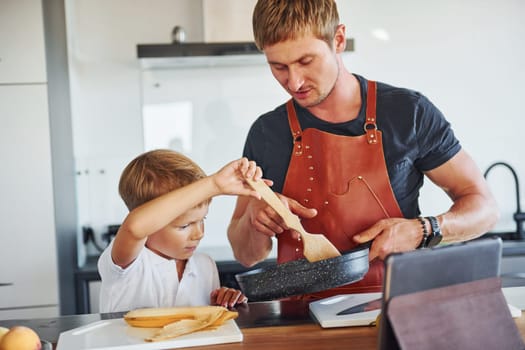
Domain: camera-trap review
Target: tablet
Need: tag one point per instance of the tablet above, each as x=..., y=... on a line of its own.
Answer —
x=441, y=266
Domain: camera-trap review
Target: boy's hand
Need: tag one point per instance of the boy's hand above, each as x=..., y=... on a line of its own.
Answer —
x=227, y=297
x=231, y=179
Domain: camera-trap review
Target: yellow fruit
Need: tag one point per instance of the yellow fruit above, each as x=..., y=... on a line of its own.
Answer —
x=20, y=338
x=3, y=331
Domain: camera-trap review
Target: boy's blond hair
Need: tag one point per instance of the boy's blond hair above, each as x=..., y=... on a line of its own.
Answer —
x=155, y=173
x=275, y=21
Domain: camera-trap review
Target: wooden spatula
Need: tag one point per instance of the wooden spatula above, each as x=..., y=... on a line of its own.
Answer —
x=315, y=246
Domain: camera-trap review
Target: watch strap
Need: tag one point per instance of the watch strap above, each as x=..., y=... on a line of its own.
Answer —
x=435, y=236
x=424, y=239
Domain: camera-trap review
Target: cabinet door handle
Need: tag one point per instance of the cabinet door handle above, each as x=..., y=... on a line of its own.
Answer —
x=5, y=284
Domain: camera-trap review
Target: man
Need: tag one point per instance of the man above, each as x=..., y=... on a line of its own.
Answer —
x=349, y=155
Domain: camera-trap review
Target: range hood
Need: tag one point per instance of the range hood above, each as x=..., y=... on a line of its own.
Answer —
x=184, y=54
x=187, y=54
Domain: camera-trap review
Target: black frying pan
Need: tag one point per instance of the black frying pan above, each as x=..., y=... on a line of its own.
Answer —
x=304, y=277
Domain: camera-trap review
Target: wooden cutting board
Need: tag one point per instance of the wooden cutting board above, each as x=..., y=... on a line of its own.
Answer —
x=116, y=334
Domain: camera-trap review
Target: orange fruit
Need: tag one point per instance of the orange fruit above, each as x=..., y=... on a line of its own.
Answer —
x=20, y=338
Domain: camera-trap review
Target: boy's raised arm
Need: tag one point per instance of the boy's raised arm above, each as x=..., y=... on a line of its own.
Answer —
x=161, y=211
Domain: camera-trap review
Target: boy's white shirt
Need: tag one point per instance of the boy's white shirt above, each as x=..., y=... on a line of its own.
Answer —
x=152, y=281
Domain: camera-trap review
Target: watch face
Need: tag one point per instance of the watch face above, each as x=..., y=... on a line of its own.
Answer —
x=434, y=240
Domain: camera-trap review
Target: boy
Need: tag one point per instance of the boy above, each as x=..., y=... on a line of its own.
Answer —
x=152, y=260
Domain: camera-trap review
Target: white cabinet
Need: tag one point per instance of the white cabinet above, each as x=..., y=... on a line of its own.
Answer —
x=28, y=259
x=22, y=49
x=27, y=251
x=227, y=20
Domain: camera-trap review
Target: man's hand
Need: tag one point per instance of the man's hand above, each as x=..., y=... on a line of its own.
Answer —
x=254, y=224
x=391, y=236
x=266, y=220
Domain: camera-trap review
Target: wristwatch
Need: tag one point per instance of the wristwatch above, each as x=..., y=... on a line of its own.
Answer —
x=435, y=236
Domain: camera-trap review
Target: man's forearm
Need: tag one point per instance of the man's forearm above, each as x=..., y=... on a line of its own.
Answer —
x=248, y=247
x=469, y=217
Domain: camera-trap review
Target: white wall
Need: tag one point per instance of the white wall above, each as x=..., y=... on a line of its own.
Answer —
x=466, y=56
x=469, y=58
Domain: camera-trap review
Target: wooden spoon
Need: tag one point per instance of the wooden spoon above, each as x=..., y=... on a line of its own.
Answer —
x=315, y=246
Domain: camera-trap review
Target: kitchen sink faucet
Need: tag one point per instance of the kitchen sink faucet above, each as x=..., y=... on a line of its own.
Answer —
x=519, y=216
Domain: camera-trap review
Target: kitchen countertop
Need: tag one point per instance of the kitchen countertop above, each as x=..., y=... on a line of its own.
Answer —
x=275, y=325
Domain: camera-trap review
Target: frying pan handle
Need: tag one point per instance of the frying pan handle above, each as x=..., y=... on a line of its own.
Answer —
x=365, y=245
x=361, y=246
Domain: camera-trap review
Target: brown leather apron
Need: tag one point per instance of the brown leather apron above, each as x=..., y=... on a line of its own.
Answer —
x=345, y=178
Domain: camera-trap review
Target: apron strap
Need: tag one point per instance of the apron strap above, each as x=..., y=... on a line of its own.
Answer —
x=297, y=132
x=370, y=122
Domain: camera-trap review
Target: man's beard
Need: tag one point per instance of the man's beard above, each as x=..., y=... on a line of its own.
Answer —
x=322, y=96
